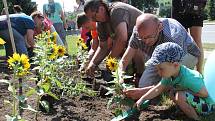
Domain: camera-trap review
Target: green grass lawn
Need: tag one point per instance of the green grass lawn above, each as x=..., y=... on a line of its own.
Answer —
x=209, y=46
x=2, y=51
x=72, y=48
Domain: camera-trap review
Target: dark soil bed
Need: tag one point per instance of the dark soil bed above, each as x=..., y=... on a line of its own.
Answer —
x=86, y=108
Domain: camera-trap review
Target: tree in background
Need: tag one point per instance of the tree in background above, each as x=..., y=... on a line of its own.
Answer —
x=164, y=11
x=27, y=6
x=137, y=3
x=149, y=6
x=211, y=9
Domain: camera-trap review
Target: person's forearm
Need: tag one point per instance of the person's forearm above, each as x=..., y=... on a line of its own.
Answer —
x=99, y=55
x=154, y=92
x=126, y=58
x=31, y=42
x=30, y=37
x=90, y=54
x=118, y=49
x=123, y=64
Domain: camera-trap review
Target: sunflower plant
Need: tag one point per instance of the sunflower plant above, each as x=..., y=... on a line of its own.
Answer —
x=82, y=51
x=116, y=90
x=20, y=66
x=49, y=58
x=53, y=71
x=2, y=42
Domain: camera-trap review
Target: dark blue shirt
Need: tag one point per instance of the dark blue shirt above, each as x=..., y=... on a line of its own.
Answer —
x=20, y=22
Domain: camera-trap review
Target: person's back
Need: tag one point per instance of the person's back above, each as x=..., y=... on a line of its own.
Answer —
x=22, y=22
x=128, y=12
x=22, y=25
x=119, y=12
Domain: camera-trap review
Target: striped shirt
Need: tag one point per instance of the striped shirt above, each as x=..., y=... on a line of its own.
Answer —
x=172, y=31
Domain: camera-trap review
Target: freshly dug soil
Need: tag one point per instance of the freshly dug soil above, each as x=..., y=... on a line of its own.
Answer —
x=86, y=108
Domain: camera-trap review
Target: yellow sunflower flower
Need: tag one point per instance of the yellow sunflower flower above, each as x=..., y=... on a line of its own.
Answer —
x=84, y=46
x=2, y=41
x=25, y=61
x=78, y=43
x=16, y=56
x=54, y=37
x=61, y=51
x=11, y=62
x=53, y=52
x=81, y=40
x=48, y=36
x=112, y=64
x=19, y=63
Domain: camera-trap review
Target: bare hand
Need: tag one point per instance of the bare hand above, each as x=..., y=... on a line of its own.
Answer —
x=90, y=71
x=134, y=93
x=83, y=66
x=138, y=103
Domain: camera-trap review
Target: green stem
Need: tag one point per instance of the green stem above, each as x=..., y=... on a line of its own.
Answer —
x=37, y=106
x=14, y=94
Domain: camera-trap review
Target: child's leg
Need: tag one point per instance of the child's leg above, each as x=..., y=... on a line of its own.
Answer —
x=181, y=100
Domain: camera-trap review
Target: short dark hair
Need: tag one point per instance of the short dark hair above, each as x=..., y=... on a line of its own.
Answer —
x=36, y=14
x=17, y=8
x=93, y=5
x=81, y=19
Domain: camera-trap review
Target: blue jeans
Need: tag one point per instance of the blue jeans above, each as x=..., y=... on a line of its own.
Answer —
x=19, y=41
x=61, y=32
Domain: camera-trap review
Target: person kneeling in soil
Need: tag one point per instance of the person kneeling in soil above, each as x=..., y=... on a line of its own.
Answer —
x=186, y=86
x=85, y=23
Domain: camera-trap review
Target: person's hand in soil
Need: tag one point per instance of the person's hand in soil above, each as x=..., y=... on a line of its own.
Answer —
x=138, y=103
x=90, y=70
x=83, y=66
x=121, y=75
x=134, y=93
